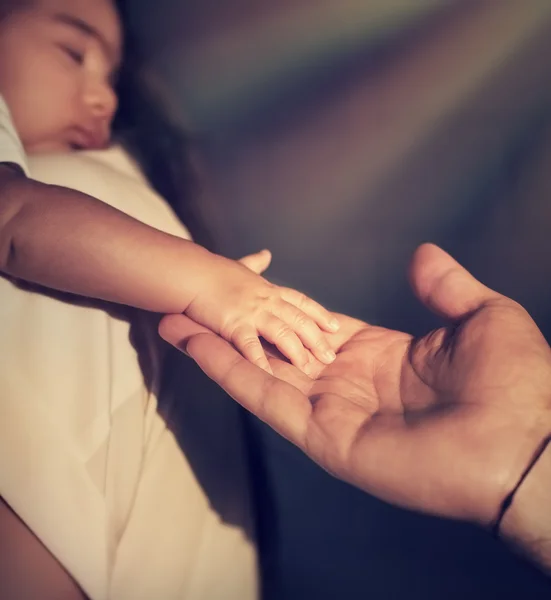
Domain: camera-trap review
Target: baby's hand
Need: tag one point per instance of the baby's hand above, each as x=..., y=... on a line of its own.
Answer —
x=241, y=306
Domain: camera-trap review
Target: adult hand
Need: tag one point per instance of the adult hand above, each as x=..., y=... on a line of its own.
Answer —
x=444, y=424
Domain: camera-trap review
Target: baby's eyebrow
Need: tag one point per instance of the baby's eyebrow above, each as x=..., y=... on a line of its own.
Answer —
x=88, y=30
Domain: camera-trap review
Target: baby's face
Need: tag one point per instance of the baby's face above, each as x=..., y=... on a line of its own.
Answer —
x=58, y=59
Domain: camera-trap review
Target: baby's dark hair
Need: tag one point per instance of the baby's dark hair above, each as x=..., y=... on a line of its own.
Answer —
x=146, y=129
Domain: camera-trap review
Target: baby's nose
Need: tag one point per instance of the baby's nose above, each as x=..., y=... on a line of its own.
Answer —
x=101, y=100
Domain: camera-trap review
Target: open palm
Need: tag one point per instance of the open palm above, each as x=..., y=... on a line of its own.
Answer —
x=443, y=424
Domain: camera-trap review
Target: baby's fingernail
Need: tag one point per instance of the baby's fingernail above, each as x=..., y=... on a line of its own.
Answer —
x=329, y=356
x=334, y=325
x=307, y=368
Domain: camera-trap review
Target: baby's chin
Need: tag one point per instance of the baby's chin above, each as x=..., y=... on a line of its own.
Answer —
x=58, y=148
x=47, y=147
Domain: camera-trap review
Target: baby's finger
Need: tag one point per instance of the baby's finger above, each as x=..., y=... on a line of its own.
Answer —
x=307, y=330
x=324, y=318
x=245, y=339
x=279, y=334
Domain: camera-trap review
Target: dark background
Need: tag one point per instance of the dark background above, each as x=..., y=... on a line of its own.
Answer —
x=341, y=134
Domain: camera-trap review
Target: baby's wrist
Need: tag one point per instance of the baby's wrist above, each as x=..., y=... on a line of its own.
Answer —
x=204, y=271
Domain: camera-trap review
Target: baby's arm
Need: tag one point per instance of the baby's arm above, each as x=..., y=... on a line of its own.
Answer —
x=66, y=240
x=69, y=241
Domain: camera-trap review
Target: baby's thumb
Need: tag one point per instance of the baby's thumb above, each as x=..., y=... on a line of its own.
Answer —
x=258, y=262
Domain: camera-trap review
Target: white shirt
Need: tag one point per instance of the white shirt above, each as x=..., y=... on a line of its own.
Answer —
x=11, y=149
x=88, y=458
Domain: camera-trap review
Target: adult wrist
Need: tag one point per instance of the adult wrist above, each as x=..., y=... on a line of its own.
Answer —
x=526, y=521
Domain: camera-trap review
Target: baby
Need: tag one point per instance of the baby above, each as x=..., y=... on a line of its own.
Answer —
x=58, y=64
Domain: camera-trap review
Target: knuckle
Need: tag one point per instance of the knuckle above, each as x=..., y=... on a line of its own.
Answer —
x=231, y=327
x=270, y=291
x=302, y=321
x=300, y=299
x=282, y=331
x=321, y=343
x=250, y=342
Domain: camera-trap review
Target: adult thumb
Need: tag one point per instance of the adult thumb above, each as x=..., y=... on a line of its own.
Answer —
x=444, y=286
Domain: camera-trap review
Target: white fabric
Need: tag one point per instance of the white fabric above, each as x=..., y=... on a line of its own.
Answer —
x=11, y=150
x=85, y=458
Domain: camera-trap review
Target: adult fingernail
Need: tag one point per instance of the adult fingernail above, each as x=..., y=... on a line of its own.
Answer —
x=334, y=325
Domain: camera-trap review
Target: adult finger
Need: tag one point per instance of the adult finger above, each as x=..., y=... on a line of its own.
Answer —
x=278, y=403
x=178, y=329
